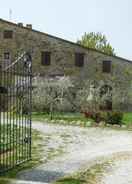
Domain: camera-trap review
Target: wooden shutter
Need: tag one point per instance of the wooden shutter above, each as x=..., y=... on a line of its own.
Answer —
x=79, y=59
x=8, y=34
x=6, y=55
x=107, y=66
x=45, y=58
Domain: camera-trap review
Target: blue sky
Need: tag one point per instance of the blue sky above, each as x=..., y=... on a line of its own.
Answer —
x=69, y=19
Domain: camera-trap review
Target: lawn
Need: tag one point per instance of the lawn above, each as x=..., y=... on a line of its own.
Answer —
x=127, y=119
x=74, y=117
x=59, y=116
x=63, y=118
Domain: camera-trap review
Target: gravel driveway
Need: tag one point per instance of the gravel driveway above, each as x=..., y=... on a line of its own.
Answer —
x=119, y=171
x=81, y=147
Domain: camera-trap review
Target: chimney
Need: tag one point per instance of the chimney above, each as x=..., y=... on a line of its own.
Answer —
x=29, y=26
x=20, y=24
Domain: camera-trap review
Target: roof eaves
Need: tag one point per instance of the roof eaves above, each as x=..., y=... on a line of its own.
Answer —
x=67, y=41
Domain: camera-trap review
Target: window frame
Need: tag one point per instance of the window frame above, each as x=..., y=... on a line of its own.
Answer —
x=8, y=34
x=5, y=55
x=79, y=59
x=106, y=66
x=45, y=58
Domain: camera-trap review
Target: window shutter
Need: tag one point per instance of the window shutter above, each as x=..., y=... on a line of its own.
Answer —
x=6, y=55
x=106, y=66
x=8, y=34
x=46, y=58
x=79, y=59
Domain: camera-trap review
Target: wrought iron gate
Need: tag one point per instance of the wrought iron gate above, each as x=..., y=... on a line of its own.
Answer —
x=15, y=112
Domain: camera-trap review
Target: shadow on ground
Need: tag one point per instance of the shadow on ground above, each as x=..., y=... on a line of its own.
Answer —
x=43, y=176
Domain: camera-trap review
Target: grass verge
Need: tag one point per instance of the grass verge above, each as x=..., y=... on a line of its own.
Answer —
x=63, y=118
x=95, y=173
x=92, y=175
x=74, y=118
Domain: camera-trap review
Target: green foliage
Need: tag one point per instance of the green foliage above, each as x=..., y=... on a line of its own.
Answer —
x=75, y=117
x=59, y=116
x=96, y=116
x=109, y=117
x=8, y=133
x=127, y=118
x=114, y=118
x=4, y=181
x=96, y=41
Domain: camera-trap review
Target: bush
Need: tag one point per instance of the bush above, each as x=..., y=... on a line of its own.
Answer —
x=87, y=114
x=114, y=118
x=109, y=117
x=96, y=116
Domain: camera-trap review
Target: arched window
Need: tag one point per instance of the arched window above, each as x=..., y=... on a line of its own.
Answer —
x=106, y=91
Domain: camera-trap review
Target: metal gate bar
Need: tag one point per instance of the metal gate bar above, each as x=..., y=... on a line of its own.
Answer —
x=15, y=112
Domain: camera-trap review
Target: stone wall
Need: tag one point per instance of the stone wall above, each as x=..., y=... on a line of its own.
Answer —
x=62, y=56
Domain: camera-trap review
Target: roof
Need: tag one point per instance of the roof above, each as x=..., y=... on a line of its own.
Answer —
x=61, y=39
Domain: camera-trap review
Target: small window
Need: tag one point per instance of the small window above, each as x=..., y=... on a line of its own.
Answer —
x=46, y=58
x=8, y=34
x=79, y=59
x=6, y=55
x=106, y=66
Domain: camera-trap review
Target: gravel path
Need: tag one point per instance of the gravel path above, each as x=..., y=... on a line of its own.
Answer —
x=80, y=146
x=120, y=172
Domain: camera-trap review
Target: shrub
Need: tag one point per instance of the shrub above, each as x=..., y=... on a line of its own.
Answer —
x=88, y=114
x=96, y=116
x=109, y=117
x=114, y=118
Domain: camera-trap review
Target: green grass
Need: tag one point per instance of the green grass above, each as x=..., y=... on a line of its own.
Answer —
x=127, y=119
x=60, y=116
x=68, y=118
x=4, y=181
x=9, y=135
x=96, y=172
x=74, y=117
x=87, y=176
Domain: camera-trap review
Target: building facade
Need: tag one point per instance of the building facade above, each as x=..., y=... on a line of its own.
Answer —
x=54, y=56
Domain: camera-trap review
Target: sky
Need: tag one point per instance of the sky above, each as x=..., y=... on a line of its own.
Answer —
x=69, y=19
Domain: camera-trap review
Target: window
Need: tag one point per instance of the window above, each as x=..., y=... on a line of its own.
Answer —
x=6, y=55
x=8, y=34
x=107, y=66
x=46, y=58
x=106, y=91
x=79, y=59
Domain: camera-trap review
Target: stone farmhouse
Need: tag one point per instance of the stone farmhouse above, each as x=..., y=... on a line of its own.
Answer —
x=53, y=56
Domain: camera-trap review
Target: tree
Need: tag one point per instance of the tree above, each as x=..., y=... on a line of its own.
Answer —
x=49, y=93
x=96, y=41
